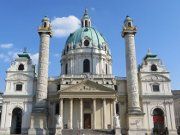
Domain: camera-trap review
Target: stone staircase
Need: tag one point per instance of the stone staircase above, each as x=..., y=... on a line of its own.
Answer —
x=87, y=132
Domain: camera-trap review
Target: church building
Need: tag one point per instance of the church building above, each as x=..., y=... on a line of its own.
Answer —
x=86, y=98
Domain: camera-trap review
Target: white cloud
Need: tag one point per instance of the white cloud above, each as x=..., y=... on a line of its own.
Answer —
x=11, y=55
x=8, y=57
x=92, y=9
x=6, y=46
x=35, y=58
x=63, y=26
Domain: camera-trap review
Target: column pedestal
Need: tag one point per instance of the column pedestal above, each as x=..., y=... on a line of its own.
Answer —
x=58, y=131
x=136, y=125
x=38, y=124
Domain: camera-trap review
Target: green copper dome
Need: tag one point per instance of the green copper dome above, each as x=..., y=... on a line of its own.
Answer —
x=86, y=33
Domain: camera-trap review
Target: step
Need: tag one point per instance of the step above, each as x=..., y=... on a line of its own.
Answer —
x=87, y=132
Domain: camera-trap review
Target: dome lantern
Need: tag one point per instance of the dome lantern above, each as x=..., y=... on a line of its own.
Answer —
x=86, y=21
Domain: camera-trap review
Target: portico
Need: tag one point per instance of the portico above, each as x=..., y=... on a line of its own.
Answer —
x=90, y=108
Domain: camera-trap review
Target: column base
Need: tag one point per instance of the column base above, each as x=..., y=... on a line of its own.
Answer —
x=173, y=132
x=136, y=124
x=37, y=131
x=5, y=131
x=38, y=124
x=118, y=131
x=137, y=132
x=58, y=131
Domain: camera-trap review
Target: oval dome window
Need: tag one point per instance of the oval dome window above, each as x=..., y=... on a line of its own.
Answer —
x=86, y=42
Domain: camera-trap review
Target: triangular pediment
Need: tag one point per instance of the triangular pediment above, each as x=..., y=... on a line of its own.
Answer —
x=88, y=86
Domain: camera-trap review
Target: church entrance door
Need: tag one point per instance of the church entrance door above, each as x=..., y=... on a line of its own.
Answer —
x=87, y=121
x=16, y=121
x=158, y=120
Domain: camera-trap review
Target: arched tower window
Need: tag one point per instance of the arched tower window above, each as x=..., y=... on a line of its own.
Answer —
x=45, y=24
x=21, y=67
x=129, y=24
x=153, y=67
x=86, y=66
x=86, y=23
x=66, y=69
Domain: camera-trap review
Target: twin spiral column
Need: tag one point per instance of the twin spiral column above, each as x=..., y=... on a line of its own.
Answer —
x=42, y=80
x=39, y=113
x=128, y=34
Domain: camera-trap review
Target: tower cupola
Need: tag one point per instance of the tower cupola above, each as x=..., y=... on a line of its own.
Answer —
x=45, y=26
x=86, y=21
x=128, y=26
x=46, y=22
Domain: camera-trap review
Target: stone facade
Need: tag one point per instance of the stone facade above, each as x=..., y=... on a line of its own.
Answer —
x=176, y=96
x=86, y=98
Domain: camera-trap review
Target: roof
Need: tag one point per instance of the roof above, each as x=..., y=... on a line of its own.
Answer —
x=149, y=55
x=96, y=39
x=176, y=94
x=24, y=54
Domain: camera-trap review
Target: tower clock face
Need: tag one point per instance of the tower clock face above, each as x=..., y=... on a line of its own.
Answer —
x=86, y=42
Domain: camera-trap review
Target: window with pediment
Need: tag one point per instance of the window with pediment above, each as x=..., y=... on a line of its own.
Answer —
x=19, y=87
x=155, y=88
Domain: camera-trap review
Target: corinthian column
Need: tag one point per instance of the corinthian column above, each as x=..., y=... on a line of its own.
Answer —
x=128, y=34
x=104, y=113
x=81, y=114
x=94, y=113
x=71, y=114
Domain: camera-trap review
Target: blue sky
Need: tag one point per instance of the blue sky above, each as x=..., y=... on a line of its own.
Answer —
x=158, y=23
